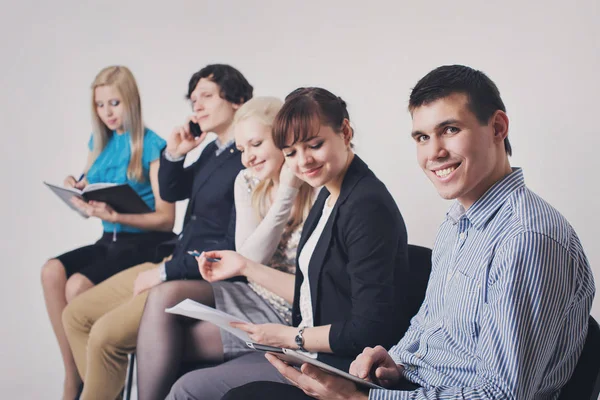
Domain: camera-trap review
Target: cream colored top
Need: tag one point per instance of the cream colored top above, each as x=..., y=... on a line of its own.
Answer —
x=266, y=241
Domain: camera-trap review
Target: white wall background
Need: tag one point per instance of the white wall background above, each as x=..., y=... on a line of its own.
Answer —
x=543, y=55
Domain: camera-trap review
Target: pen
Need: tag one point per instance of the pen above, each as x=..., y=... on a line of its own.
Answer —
x=81, y=177
x=197, y=254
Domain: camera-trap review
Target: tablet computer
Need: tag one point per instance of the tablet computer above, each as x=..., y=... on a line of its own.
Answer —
x=296, y=359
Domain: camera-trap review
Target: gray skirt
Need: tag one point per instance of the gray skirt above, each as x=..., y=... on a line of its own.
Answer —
x=239, y=300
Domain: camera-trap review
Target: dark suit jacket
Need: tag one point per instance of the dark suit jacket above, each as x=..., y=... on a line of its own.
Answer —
x=210, y=215
x=359, y=269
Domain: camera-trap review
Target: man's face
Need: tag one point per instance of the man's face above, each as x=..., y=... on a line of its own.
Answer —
x=214, y=113
x=456, y=152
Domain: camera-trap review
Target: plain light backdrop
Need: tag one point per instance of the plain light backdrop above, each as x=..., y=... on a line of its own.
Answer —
x=543, y=55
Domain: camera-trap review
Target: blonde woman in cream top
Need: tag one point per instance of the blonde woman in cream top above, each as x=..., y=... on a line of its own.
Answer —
x=271, y=204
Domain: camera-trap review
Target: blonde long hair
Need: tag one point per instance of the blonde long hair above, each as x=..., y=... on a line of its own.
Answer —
x=122, y=80
x=264, y=109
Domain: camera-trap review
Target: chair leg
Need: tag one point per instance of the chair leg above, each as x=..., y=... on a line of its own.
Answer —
x=129, y=381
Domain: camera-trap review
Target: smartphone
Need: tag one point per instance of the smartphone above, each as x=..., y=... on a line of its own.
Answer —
x=196, y=254
x=195, y=129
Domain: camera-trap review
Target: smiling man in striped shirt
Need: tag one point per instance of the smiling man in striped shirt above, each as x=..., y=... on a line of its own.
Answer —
x=506, y=310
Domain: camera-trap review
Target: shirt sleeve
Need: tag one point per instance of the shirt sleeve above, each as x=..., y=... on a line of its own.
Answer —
x=153, y=146
x=256, y=239
x=530, y=287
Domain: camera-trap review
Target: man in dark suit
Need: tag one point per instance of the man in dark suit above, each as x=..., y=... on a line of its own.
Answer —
x=216, y=92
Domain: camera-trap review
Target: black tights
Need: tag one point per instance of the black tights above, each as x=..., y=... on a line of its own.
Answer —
x=166, y=341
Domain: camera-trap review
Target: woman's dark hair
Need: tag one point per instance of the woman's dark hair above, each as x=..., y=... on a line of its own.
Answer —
x=304, y=111
x=234, y=86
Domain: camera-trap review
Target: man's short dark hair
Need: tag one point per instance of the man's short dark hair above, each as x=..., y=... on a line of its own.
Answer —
x=483, y=94
x=235, y=88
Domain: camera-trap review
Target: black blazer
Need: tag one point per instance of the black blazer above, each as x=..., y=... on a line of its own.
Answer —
x=210, y=215
x=359, y=268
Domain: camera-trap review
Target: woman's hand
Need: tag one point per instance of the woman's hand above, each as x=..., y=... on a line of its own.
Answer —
x=146, y=280
x=288, y=178
x=276, y=335
x=181, y=141
x=71, y=182
x=97, y=209
x=230, y=264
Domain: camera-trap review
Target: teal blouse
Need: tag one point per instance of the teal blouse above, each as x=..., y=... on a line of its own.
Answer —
x=111, y=167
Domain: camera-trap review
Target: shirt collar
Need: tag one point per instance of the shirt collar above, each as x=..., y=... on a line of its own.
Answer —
x=222, y=146
x=487, y=205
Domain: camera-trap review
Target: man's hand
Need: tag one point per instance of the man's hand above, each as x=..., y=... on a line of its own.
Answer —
x=181, y=141
x=376, y=365
x=146, y=280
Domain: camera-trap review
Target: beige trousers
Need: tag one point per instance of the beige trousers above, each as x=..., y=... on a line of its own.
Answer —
x=102, y=325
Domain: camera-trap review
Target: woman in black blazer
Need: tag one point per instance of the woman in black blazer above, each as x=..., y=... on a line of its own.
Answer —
x=352, y=283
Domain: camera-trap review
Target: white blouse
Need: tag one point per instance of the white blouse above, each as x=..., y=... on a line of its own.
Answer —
x=304, y=261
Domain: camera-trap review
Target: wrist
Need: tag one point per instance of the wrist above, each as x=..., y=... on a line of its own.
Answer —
x=247, y=267
x=291, y=338
x=116, y=218
x=172, y=154
x=296, y=184
x=299, y=341
x=287, y=192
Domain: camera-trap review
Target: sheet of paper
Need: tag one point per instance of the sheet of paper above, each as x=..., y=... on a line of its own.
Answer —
x=66, y=194
x=192, y=309
x=96, y=186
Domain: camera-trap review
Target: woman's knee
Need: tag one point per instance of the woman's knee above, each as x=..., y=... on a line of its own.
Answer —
x=76, y=285
x=53, y=274
x=165, y=295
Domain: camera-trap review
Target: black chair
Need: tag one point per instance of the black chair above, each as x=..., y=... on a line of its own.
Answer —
x=584, y=384
x=129, y=380
x=419, y=259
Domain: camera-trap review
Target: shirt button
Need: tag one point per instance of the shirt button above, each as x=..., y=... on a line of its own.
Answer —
x=193, y=217
x=462, y=236
x=418, y=355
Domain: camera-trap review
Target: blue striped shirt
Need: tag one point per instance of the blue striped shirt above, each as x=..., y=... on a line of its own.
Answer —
x=506, y=310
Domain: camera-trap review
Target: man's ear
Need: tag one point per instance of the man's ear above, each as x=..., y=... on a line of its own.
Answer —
x=499, y=123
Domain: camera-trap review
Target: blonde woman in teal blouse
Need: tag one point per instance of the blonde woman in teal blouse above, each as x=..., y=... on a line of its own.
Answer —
x=122, y=150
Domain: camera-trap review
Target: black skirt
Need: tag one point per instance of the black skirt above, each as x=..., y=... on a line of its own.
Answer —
x=107, y=257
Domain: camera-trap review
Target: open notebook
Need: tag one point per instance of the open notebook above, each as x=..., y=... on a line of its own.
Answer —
x=192, y=309
x=122, y=198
